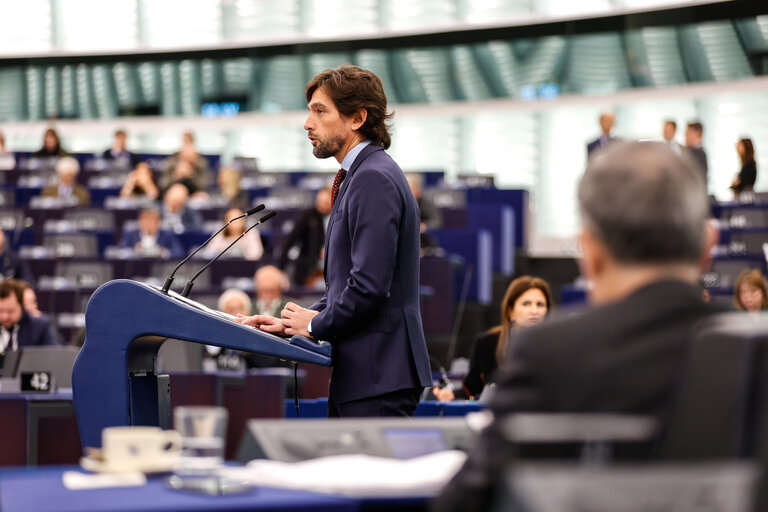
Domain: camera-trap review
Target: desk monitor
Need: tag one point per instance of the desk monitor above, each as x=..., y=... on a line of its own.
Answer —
x=58, y=360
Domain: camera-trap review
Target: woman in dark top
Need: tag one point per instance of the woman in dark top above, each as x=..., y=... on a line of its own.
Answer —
x=745, y=181
x=526, y=303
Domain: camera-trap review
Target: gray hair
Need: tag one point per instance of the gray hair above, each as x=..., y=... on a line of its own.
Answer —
x=646, y=203
x=67, y=164
x=233, y=293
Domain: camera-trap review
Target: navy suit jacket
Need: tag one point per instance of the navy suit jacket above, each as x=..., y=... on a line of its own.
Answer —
x=165, y=239
x=370, y=311
x=35, y=331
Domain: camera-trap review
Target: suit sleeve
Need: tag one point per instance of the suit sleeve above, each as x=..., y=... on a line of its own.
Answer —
x=374, y=211
x=297, y=235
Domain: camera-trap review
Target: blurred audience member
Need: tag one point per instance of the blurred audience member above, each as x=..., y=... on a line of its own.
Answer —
x=526, y=303
x=670, y=129
x=140, y=183
x=232, y=302
x=176, y=216
x=151, y=241
x=19, y=328
x=229, y=180
x=51, y=146
x=431, y=218
x=745, y=181
x=11, y=265
x=29, y=302
x=7, y=160
x=607, y=120
x=183, y=173
x=249, y=247
x=693, y=135
x=199, y=176
x=66, y=188
x=270, y=283
x=235, y=302
x=751, y=292
x=301, y=256
x=644, y=241
x=118, y=154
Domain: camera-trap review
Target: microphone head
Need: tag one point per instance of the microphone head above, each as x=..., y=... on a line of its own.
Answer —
x=268, y=216
x=255, y=209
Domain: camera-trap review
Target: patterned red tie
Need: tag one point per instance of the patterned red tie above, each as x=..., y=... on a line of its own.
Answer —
x=336, y=184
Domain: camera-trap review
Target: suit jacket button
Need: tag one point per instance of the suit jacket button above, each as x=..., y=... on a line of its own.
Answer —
x=327, y=287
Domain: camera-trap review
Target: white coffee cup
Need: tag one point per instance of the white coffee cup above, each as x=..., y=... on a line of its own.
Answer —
x=137, y=446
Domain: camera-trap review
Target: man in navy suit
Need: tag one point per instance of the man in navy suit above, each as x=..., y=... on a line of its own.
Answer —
x=370, y=311
x=17, y=327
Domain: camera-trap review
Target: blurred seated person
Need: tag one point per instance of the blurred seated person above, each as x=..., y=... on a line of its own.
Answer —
x=51, y=146
x=431, y=218
x=269, y=285
x=66, y=188
x=118, y=154
x=249, y=247
x=232, y=302
x=200, y=173
x=140, y=182
x=176, y=216
x=29, y=302
x=526, y=303
x=229, y=181
x=151, y=241
x=183, y=173
x=751, y=292
x=302, y=251
x=644, y=242
x=11, y=265
x=19, y=328
x=745, y=180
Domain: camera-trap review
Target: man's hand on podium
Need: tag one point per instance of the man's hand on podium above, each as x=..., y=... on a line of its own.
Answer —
x=266, y=323
x=296, y=319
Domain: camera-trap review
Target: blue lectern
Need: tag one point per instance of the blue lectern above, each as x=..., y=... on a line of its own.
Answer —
x=114, y=380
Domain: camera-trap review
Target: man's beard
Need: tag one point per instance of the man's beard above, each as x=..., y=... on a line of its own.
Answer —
x=327, y=148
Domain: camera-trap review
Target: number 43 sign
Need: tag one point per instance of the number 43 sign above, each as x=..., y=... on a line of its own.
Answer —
x=39, y=382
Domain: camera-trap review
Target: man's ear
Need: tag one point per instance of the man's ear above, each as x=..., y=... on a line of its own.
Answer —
x=593, y=259
x=711, y=235
x=358, y=118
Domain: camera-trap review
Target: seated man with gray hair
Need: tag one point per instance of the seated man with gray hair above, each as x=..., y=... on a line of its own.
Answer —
x=645, y=239
x=66, y=188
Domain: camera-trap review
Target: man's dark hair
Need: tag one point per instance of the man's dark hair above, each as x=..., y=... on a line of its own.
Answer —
x=696, y=126
x=352, y=88
x=670, y=121
x=646, y=203
x=120, y=132
x=12, y=286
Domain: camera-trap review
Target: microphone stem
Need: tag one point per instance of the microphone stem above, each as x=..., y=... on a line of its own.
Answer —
x=169, y=279
x=188, y=287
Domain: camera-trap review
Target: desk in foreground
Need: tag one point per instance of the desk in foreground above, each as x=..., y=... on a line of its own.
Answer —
x=45, y=492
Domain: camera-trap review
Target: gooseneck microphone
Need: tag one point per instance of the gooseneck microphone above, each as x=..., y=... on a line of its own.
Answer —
x=191, y=282
x=169, y=279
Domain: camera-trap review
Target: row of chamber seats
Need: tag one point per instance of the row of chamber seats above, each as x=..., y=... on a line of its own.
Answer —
x=72, y=250
x=742, y=245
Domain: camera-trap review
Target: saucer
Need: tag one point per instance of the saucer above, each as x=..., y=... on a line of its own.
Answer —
x=154, y=465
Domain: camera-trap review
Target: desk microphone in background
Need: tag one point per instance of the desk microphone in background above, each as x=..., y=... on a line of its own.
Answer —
x=191, y=282
x=169, y=279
